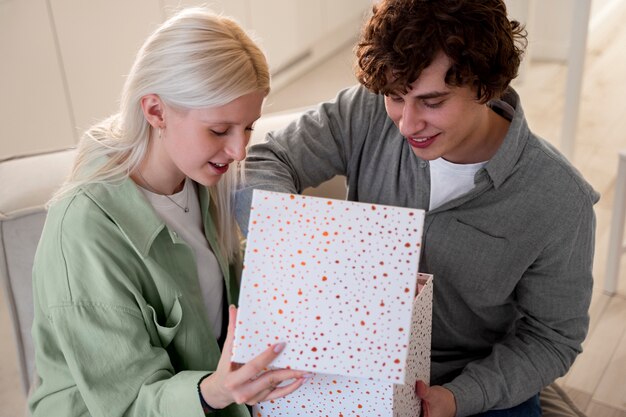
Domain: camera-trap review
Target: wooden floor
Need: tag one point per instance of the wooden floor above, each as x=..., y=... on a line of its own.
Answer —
x=597, y=381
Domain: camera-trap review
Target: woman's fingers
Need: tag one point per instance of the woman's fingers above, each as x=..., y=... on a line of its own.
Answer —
x=259, y=392
x=278, y=392
x=227, y=349
x=230, y=334
x=255, y=367
x=285, y=390
x=252, y=382
x=270, y=385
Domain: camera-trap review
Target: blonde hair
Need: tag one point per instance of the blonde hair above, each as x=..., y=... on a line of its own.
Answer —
x=196, y=59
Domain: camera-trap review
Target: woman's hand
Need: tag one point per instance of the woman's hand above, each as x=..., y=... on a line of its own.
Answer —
x=249, y=384
x=437, y=401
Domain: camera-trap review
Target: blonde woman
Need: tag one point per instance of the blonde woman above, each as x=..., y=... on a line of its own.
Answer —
x=136, y=265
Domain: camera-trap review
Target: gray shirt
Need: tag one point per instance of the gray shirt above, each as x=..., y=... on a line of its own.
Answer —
x=512, y=258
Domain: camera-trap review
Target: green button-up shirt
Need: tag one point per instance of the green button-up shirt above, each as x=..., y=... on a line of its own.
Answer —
x=120, y=327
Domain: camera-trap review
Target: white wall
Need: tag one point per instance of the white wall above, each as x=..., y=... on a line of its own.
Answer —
x=549, y=23
x=62, y=62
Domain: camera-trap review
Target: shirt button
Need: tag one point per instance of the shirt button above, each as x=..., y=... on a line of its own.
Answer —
x=175, y=234
x=423, y=164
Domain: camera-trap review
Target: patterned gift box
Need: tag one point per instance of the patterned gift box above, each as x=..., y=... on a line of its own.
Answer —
x=337, y=281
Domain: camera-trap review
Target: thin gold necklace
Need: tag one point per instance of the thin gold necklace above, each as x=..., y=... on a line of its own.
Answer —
x=184, y=208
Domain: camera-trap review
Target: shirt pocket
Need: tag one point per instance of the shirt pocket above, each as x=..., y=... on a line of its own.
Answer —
x=471, y=259
x=167, y=330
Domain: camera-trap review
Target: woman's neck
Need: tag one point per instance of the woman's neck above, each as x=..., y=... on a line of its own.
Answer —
x=158, y=175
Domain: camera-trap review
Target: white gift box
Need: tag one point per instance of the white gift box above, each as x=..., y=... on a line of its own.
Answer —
x=336, y=280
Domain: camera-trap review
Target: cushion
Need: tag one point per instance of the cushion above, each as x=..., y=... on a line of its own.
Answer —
x=556, y=403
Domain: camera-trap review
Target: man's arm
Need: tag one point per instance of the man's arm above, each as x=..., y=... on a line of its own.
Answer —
x=553, y=300
x=310, y=150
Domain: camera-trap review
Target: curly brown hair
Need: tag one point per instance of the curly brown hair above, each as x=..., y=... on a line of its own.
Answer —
x=403, y=37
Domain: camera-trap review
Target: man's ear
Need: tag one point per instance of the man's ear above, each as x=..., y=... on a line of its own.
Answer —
x=153, y=109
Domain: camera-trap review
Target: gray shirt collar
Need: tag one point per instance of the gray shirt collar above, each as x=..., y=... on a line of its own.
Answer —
x=501, y=165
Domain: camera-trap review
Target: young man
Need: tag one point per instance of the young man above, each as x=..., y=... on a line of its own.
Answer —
x=509, y=229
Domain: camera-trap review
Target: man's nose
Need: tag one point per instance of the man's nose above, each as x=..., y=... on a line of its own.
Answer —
x=412, y=121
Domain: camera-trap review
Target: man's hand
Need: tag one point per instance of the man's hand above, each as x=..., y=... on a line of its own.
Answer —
x=437, y=401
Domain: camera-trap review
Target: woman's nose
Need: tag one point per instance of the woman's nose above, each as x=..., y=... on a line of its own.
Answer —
x=236, y=148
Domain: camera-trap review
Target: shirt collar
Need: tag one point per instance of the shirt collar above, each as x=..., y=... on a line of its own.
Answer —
x=501, y=165
x=124, y=203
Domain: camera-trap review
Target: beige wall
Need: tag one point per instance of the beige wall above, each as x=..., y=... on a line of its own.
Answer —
x=62, y=62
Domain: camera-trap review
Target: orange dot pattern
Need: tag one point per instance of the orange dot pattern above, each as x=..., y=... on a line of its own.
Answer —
x=335, y=395
x=348, y=271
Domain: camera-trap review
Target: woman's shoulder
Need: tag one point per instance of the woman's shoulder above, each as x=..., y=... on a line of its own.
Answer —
x=82, y=249
x=94, y=221
x=76, y=213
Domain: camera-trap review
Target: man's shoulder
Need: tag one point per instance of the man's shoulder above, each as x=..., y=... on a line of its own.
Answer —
x=554, y=171
x=358, y=95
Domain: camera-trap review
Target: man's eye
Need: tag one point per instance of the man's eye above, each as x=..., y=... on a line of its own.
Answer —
x=396, y=99
x=434, y=105
x=218, y=133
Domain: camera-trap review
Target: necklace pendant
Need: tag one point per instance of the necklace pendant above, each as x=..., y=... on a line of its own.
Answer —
x=186, y=209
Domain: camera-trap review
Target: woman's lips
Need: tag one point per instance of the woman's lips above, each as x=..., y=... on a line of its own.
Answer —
x=422, y=141
x=220, y=168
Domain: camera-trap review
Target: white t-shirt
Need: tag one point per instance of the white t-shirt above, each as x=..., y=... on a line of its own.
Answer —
x=449, y=180
x=189, y=227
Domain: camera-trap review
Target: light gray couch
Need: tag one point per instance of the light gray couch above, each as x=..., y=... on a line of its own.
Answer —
x=27, y=183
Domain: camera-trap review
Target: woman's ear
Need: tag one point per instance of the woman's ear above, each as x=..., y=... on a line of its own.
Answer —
x=153, y=109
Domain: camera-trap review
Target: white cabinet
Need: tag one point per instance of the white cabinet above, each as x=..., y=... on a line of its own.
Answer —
x=63, y=62
x=98, y=40
x=310, y=27
x=336, y=13
x=285, y=29
x=237, y=9
x=277, y=32
x=33, y=104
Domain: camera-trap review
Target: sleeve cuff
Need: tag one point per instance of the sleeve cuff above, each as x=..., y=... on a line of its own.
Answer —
x=468, y=394
x=206, y=408
x=182, y=394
